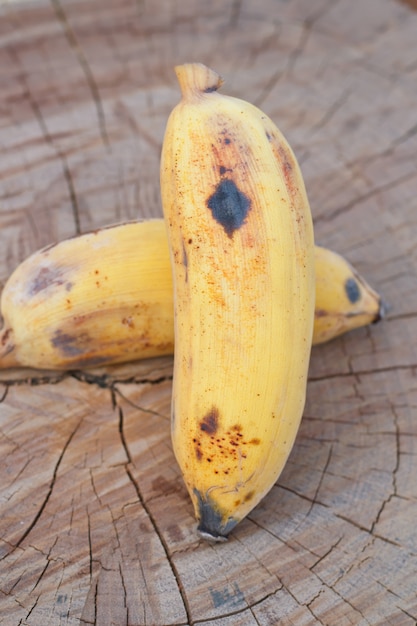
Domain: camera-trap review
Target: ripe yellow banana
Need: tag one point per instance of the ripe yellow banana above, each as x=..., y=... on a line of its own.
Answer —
x=242, y=251
x=52, y=319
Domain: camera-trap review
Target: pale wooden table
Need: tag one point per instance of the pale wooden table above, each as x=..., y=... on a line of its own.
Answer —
x=95, y=524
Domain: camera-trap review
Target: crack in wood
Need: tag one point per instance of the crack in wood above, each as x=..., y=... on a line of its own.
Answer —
x=248, y=607
x=375, y=535
x=326, y=554
x=122, y=580
x=153, y=522
x=24, y=621
x=35, y=380
x=332, y=214
x=90, y=547
x=108, y=382
x=331, y=111
x=5, y=392
x=164, y=545
x=79, y=54
x=322, y=474
x=48, y=494
x=122, y=435
x=410, y=615
x=141, y=408
x=48, y=562
x=394, y=472
x=301, y=495
x=49, y=140
x=379, y=370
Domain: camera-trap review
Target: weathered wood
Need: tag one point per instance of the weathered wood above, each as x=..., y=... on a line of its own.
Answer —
x=95, y=523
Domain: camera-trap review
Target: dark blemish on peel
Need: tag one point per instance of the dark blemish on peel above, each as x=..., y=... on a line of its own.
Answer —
x=211, y=89
x=229, y=206
x=249, y=496
x=185, y=260
x=45, y=278
x=210, y=422
x=223, y=170
x=212, y=525
x=352, y=290
x=67, y=344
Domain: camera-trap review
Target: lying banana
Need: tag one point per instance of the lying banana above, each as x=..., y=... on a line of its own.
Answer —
x=102, y=297
x=242, y=251
x=53, y=321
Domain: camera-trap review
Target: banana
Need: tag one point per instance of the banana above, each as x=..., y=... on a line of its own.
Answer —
x=103, y=297
x=242, y=253
x=344, y=300
x=40, y=308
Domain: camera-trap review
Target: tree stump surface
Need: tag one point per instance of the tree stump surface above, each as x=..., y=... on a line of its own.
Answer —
x=95, y=524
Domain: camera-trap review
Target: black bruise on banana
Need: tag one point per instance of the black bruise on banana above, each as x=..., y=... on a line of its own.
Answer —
x=76, y=355
x=210, y=526
x=229, y=206
x=210, y=422
x=352, y=290
x=67, y=344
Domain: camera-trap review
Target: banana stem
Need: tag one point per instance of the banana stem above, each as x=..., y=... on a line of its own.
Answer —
x=196, y=79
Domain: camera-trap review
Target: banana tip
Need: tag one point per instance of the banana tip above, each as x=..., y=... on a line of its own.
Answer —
x=211, y=526
x=382, y=311
x=210, y=537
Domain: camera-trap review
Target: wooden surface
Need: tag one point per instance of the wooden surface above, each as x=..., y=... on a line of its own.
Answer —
x=95, y=524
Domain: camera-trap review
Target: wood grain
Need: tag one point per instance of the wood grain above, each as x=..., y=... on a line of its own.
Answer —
x=95, y=523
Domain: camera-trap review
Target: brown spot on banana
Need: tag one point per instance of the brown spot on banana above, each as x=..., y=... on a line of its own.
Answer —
x=69, y=345
x=45, y=278
x=210, y=422
x=249, y=496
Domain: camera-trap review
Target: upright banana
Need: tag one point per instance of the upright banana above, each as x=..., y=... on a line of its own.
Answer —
x=242, y=253
x=137, y=320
